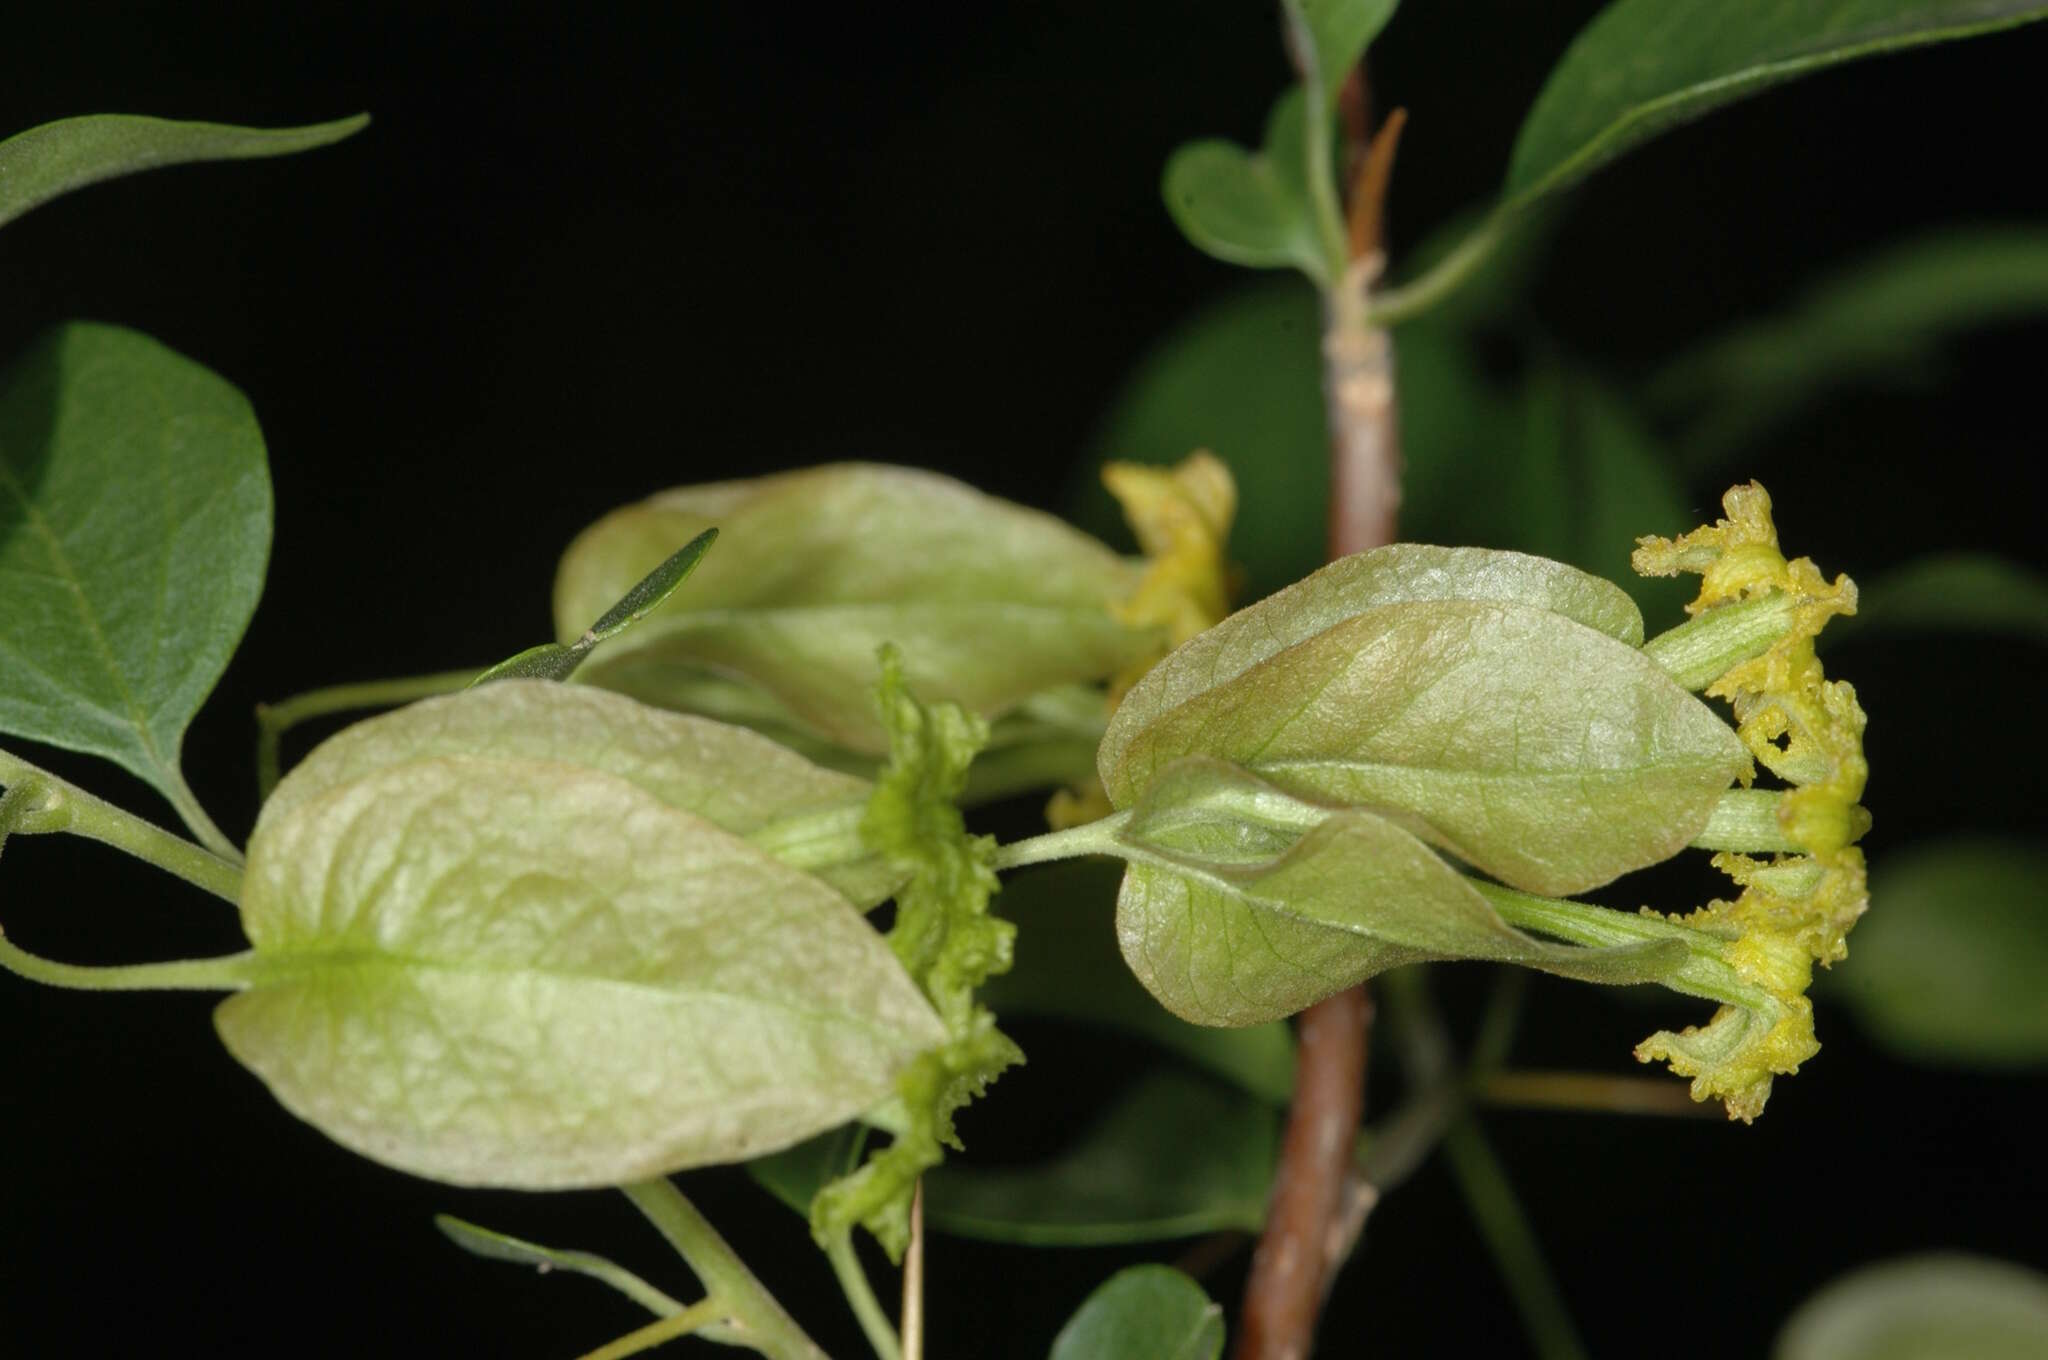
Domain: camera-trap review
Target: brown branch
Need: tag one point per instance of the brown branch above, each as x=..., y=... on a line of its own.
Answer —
x=1285, y=1291
x=1317, y=1206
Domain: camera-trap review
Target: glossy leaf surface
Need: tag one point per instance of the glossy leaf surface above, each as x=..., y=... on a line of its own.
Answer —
x=1934, y=1307
x=495, y=971
x=1645, y=66
x=44, y=162
x=134, y=529
x=1948, y=966
x=1143, y=1313
x=735, y=779
x=1249, y=208
x=1228, y=919
x=1176, y=1155
x=990, y=602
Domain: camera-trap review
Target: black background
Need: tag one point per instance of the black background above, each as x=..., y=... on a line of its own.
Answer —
x=578, y=258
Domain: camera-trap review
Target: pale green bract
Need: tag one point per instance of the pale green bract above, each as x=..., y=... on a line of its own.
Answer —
x=492, y=951
x=1488, y=702
x=134, y=529
x=1243, y=904
x=1143, y=1313
x=990, y=602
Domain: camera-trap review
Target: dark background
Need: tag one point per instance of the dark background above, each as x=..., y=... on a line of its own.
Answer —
x=577, y=259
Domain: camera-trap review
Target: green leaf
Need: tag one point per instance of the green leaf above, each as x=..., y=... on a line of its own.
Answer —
x=1947, y=966
x=1136, y=1176
x=990, y=603
x=1143, y=1313
x=43, y=162
x=1228, y=919
x=557, y=661
x=735, y=779
x=1250, y=208
x=1645, y=66
x=1340, y=31
x=1882, y=319
x=1068, y=968
x=535, y=974
x=1952, y=593
x=1935, y=1307
x=1534, y=746
x=134, y=529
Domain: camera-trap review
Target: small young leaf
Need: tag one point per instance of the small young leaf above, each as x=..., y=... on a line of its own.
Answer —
x=558, y=661
x=134, y=530
x=1136, y=1176
x=1935, y=1307
x=990, y=602
x=1229, y=920
x=43, y=162
x=733, y=778
x=1143, y=1313
x=494, y=971
x=1645, y=66
x=1947, y=967
x=1249, y=208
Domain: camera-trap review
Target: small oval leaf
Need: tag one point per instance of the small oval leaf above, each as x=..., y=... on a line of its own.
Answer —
x=1143, y=1313
x=1246, y=208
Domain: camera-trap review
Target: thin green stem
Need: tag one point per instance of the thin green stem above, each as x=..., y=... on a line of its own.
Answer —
x=1705, y=973
x=1392, y=306
x=226, y=973
x=274, y=720
x=66, y=807
x=1699, y=651
x=1509, y=1237
x=194, y=816
x=695, y=1318
x=497, y=1246
x=755, y=1318
x=1592, y=1093
x=1095, y=838
x=860, y=1295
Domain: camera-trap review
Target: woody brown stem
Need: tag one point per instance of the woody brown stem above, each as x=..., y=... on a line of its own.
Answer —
x=1317, y=1206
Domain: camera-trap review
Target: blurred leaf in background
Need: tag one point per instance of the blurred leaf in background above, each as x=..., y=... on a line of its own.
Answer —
x=1936, y=1307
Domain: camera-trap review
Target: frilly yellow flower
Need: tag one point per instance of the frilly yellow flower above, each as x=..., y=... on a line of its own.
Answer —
x=1794, y=910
